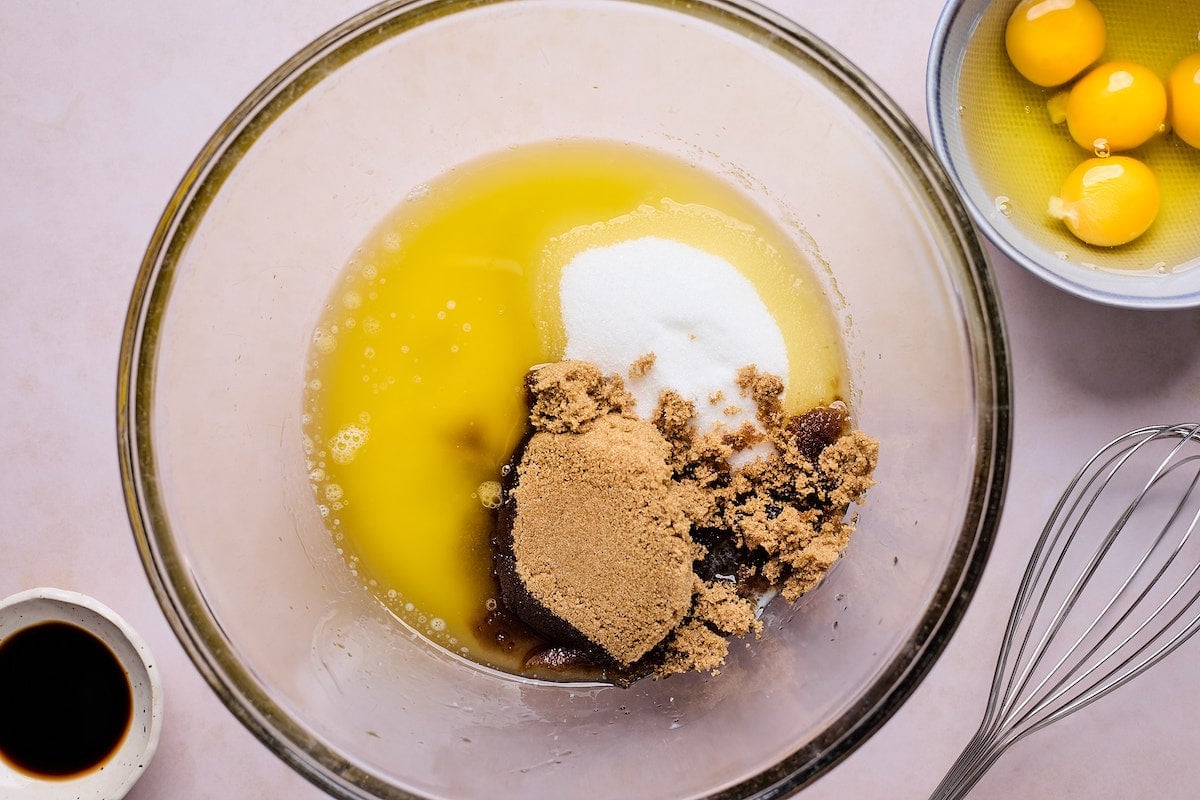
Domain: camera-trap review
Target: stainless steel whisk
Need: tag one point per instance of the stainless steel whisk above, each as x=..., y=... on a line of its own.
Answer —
x=1111, y=589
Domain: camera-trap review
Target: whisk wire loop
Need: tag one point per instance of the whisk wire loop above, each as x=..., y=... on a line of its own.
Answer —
x=1062, y=686
x=1049, y=542
x=1112, y=588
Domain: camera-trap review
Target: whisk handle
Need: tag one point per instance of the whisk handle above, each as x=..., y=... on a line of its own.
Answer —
x=971, y=765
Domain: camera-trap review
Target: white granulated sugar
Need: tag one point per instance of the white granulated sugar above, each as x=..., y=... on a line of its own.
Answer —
x=702, y=319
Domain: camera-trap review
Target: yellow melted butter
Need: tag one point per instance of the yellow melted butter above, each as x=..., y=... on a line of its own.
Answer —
x=414, y=398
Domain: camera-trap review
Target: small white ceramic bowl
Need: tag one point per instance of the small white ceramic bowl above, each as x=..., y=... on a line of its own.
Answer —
x=969, y=82
x=117, y=774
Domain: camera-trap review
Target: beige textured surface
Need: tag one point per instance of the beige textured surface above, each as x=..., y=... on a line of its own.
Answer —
x=103, y=106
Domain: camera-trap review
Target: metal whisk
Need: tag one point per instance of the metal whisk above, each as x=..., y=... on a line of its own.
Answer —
x=1110, y=590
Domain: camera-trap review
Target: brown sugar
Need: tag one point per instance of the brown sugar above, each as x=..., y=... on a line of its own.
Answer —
x=601, y=537
x=640, y=368
x=638, y=541
x=570, y=395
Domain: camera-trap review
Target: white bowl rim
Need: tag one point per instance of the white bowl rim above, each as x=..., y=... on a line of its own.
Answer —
x=140, y=745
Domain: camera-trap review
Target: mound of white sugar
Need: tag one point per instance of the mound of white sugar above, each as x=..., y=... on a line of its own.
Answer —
x=700, y=317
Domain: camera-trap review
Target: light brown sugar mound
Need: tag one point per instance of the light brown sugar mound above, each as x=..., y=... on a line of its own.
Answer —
x=601, y=537
x=635, y=543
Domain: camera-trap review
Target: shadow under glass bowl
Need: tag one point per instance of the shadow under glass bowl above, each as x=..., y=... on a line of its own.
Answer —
x=243, y=259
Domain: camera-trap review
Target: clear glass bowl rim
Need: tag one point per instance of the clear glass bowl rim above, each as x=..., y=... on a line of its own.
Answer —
x=178, y=593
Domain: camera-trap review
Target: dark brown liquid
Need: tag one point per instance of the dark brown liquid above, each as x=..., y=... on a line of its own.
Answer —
x=65, y=700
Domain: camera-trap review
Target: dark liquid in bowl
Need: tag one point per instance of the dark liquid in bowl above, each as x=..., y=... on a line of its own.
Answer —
x=65, y=700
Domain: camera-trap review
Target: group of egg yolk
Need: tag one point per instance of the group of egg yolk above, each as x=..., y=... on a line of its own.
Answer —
x=1117, y=106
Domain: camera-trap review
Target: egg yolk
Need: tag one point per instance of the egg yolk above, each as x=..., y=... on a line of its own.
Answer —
x=1183, y=86
x=1108, y=201
x=1117, y=106
x=1052, y=41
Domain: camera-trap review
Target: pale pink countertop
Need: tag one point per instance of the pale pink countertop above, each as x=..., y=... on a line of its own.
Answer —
x=102, y=108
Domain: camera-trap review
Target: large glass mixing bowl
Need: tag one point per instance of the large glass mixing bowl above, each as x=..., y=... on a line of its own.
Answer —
x=243, y=260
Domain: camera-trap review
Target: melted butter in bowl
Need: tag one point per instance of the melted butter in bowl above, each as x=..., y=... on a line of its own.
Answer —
x=415, y=396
